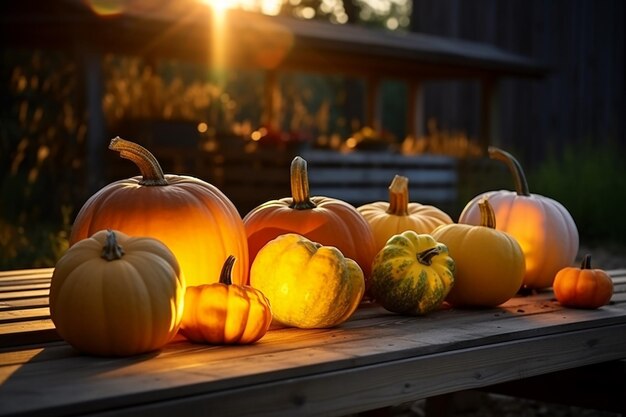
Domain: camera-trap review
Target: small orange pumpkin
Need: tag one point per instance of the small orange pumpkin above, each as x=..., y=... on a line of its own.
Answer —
x=193, y=218
x=399, y=215
x=328, y=221
x=583, y=287
x=225, y=313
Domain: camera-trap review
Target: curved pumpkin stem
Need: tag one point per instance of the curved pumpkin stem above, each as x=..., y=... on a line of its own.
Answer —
x=111, y=250
x=399, y=196
x=426, y=257
x=487, y=215
x=521, y=185
x=226, y=276
x=146, y=162
x=586, y=264
x=300, y=185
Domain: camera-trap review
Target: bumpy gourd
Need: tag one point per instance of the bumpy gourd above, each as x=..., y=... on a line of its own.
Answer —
x=542, y=226
x=398, y=215
x=193, y=218
x=489, y=263
x=412, y=274
x=114, y=295
x=308, y=285
x=225, y=313
x=583, y=287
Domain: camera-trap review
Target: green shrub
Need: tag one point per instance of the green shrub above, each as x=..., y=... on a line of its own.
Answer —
x=590, y=181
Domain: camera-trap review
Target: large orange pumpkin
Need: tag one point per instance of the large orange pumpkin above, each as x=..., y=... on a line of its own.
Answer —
x=543, y=227
x=328, y=221
x=399, y=215
x=193, y=218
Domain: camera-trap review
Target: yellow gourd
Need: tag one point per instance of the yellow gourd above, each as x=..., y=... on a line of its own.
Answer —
x=308, y=285
x=490, y=263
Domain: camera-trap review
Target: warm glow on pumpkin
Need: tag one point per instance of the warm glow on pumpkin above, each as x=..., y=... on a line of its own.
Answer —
x=193, y=218
x=542, y=226
x=225, y=313
x=325, y=220
x=307, y=284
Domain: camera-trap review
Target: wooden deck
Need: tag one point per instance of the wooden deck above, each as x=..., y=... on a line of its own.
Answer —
x=375, y=359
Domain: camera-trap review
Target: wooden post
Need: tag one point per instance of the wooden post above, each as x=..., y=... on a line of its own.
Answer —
x=271, y=112
x=96, y=125
x=415, y=109
x=490, y=114
x=374, y=105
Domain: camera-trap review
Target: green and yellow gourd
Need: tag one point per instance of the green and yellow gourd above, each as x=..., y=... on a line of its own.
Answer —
x=412, y=274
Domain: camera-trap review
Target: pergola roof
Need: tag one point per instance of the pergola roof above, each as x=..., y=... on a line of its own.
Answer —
x=183, y=29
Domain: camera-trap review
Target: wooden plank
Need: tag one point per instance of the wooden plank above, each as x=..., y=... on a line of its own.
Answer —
x=35, y=273
x=25, y=294
x=27, y=314
x=363, y=195
x=24, y=303
x=318, y=391
x=28, y=332
x=320, y=158
x=382, y=176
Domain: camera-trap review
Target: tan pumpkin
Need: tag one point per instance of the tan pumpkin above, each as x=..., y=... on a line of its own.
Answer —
x=325, y=220
x=115, y=295
x=225, y=313
x=308, y=285
x=193, y=218
x=489, y=263
x=399, y=215
x=544, y=228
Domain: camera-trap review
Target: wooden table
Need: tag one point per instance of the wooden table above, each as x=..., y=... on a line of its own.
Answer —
x=374, y=360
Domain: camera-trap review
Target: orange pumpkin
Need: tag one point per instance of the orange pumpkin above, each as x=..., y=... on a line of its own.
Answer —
x=328, y=221
x=193, y=218
x=543, y=227
x=225, y=313
x=583, y=287
x=399, y=215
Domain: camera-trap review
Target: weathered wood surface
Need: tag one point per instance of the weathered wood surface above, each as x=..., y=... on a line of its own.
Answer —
x=375, y=359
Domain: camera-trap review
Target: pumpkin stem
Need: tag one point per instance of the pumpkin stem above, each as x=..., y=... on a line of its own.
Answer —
x=521, y=185
x=487, y=215
x=586, y=264
x=399, y=196
x=227, y=271
x=426, y=257
x=111, y=250
x=300, y=185
x=146, y=162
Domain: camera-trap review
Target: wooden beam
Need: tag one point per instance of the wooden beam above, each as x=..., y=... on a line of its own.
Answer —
x=415, y=109
x=96, y=125
x=374, y=105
